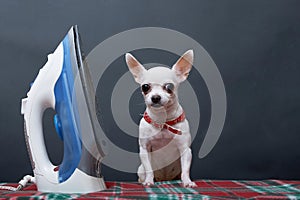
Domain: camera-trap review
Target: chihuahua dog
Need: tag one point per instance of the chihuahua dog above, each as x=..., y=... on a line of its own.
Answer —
x=164, y=134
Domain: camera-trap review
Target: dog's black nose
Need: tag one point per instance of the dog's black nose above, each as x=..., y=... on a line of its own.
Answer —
x=155, y=98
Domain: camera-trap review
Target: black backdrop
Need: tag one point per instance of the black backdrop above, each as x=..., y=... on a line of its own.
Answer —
x=255, y=44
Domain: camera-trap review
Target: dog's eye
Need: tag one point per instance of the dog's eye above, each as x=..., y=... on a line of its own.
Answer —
x=169, y=87
x=146, y=88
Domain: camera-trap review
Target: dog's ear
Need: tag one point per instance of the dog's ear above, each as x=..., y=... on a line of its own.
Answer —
x=183, y=65
x=135, y=67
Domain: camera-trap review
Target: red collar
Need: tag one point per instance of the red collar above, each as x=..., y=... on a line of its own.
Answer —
x=167, y=125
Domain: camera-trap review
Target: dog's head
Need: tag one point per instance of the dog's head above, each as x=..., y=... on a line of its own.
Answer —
x=159, y=84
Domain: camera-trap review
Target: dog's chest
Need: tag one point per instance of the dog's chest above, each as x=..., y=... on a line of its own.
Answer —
x=159, y=140
x=165, y=157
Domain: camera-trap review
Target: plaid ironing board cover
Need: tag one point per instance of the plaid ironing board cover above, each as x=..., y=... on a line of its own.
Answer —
x=206, y=189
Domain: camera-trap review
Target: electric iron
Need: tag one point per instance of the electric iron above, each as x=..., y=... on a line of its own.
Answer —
x=64, y=84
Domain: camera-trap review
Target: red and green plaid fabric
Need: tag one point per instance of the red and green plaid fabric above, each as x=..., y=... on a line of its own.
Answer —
x=206, y=189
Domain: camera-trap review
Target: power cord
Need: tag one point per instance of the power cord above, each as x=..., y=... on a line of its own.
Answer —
x=22, y=183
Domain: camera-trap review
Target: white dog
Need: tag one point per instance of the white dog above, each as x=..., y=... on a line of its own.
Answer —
x=164, y=134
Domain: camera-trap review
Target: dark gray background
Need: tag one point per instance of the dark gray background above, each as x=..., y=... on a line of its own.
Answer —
x=255, y=45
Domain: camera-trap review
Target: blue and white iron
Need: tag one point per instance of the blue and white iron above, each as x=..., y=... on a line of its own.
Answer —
x=64, y=84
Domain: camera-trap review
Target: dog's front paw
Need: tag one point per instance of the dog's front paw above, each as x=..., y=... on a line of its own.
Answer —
x=148, y=183
x=189, y=184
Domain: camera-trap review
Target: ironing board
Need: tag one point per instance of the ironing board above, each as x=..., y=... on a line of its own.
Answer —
x=206, y=189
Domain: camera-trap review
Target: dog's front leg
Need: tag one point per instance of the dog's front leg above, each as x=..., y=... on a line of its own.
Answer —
x=145, y=159
x=186, y=160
